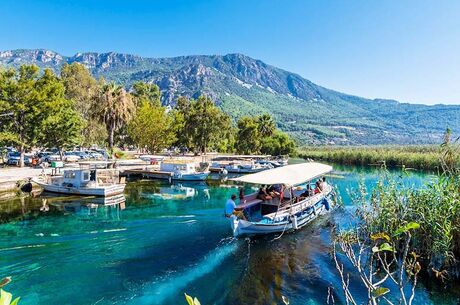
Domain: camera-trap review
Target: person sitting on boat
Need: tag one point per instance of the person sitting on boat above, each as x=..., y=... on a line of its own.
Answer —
x=263, y=194
x=307, y=193
x=273, y=191
x=323, y=184
x=317, y=187
x=230, y=208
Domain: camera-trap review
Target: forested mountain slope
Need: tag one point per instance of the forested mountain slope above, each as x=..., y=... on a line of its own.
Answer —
x=242, y=85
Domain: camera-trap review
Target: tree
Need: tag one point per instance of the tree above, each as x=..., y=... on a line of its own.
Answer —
x=259, y=135
x=248, y=136
x=146, y=92
x=61, y=124
x=267, y=125
x=277, y=144
x=226, y=142
x=114, y=108
x=204, y=124
x=22, y=94
x=179, y=113
x=152, y=128
x=82, y=88
x=62, y=128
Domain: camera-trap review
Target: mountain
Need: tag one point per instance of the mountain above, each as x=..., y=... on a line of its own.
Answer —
x=244, y=86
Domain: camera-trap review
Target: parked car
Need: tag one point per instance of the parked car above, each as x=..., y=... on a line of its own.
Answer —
x=82, y=154
x=70, y=156
x=96, y=155
x=48, y=156
x=104, y=153
x=12, y=158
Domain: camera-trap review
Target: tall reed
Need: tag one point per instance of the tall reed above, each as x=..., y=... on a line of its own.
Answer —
x=436, y=207
x=417, y=157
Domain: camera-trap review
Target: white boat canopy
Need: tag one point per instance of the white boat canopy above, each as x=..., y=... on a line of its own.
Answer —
x=289, y=175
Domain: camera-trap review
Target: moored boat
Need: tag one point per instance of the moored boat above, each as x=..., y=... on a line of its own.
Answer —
x=289, y=211
x=87, y=182
x=240, y=167
x=183, y=170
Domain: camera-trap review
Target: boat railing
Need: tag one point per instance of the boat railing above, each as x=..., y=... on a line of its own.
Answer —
x=107, y=177
x=293, y=207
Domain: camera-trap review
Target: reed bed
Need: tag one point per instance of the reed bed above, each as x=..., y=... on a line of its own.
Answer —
x=435, y=207
x=417, y=157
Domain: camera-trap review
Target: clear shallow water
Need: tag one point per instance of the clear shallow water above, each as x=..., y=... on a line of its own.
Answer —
x=165, y=241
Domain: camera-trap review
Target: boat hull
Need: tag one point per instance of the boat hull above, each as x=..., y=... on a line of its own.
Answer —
x=96, y=191
x=191, y=177
x=245, y=170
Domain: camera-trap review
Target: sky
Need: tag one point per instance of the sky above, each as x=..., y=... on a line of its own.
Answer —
x=400, y=49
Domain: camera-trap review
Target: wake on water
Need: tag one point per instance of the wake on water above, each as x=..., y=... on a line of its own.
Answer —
x=158, y=291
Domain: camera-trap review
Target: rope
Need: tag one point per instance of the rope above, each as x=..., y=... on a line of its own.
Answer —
x=282, y=233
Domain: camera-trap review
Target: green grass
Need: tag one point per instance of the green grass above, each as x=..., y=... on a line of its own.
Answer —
x=424, y=157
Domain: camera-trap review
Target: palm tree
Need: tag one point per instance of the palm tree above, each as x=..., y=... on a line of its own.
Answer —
x=114, y=107
x=267, y=125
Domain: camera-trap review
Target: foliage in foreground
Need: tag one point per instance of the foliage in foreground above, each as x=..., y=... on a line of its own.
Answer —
x=381, y=268
x=6, y=298
x=191, y=301
x=435, y=207
x=401, y=231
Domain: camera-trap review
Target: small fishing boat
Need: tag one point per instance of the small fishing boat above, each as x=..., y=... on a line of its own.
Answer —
x=87, y=182
x=288, y=211
x=240, y=168
x=184, y=170
x=273, y=161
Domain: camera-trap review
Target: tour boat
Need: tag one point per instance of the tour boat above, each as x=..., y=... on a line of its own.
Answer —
x=287, y=212
x=183, y=170
x=87, y=182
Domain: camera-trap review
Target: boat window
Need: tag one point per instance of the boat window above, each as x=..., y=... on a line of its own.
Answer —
x=93, y=176
x=69, y=175
x=85, y=176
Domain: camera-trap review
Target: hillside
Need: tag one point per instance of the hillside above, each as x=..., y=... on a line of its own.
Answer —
x=242, y=85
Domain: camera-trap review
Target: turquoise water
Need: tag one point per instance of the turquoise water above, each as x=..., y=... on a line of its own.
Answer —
x=164, y=241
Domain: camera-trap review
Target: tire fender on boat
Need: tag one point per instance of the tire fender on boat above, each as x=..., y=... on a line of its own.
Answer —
x=294, y=222
x=326, y=203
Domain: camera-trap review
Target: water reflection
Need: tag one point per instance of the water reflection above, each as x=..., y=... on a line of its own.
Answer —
x=285, y=267
x=28, y=208
x=103, y=207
